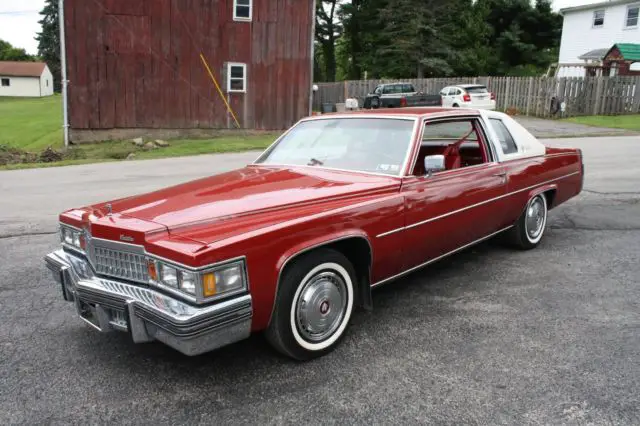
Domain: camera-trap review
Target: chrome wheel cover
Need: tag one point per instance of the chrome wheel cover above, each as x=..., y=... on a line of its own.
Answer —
x=321, y=307
x=535, y=219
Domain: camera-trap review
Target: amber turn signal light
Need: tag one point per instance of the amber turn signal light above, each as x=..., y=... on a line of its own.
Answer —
x=209, y=285
x=153, y=272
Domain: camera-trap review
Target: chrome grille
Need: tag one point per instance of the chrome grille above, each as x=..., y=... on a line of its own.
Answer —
x=120, y=264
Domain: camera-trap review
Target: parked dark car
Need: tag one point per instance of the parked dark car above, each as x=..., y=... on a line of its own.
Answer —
x=399, y=95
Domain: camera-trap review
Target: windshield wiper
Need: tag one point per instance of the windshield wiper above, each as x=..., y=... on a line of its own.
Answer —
x=315, y=162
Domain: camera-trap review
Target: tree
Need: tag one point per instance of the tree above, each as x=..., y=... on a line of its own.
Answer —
x=327, y=31
x=11, y=53
x=49, y=41
x=434, y=38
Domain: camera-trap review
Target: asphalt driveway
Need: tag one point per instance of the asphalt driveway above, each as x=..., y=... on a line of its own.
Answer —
x=489, y=336
x=545, y=128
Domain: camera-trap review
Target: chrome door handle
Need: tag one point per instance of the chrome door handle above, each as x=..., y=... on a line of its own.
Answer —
x=502, y=175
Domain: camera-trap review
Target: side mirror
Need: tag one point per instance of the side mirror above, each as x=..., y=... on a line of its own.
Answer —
x=433, y=164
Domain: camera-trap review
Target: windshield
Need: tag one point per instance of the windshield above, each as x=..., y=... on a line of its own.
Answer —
x=377, y=145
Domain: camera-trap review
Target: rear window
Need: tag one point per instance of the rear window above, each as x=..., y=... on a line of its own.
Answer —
x=477, y=89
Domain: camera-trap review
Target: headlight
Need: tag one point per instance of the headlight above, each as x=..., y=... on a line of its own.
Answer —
x=168, y=275
x=205, y=285
x=72, y=237
x=226, y=280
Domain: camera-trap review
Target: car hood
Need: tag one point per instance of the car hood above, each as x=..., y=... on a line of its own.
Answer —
x=213, y=208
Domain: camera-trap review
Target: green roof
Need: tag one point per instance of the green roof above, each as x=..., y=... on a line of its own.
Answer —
x=629, y=51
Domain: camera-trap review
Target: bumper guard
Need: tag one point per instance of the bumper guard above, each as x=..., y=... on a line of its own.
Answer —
x=146, y=314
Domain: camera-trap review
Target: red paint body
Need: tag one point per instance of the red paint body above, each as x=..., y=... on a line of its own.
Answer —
x=270, y=214
x=136, y=63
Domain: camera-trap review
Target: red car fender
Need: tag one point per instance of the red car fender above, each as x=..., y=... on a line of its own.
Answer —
x=307, y=245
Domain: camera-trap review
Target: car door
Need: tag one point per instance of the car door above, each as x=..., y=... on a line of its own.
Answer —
x=453, y=208
x=445, y=97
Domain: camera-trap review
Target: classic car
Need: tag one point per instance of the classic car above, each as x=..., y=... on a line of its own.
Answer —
x=293, y=243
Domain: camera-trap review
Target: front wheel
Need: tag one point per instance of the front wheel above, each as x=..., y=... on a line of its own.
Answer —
x=313, y=306
x=529, y=229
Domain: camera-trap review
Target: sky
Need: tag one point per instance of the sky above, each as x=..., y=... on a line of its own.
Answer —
x=19, y=20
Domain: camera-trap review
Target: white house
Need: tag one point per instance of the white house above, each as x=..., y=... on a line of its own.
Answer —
x=25, y=79
x=589, y=31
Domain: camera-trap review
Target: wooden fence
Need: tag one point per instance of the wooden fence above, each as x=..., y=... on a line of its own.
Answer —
x=522, y=95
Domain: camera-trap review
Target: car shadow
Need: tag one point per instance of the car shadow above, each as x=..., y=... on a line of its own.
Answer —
x=256, y=354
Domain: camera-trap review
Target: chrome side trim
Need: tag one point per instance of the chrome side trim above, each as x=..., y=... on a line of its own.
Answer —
x=433, y=219
x=422, y=265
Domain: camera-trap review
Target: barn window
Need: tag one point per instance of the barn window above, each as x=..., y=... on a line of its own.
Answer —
x=242, y=10
x=6, y=82
x=598, y=18
x=236, y=77
x=632, y=16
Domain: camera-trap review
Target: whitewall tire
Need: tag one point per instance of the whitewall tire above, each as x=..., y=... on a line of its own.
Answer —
x=531, y=225
x=314, y=305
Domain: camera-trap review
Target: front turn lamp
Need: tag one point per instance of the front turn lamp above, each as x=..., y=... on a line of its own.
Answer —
x=227, y=279
x=215, y=282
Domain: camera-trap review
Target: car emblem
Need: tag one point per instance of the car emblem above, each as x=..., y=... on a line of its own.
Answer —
x=126, y=238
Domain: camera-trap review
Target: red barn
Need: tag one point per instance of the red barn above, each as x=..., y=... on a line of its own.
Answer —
x=134, y=67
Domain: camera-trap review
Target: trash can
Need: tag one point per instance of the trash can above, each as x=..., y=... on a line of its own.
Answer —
x=328, y=108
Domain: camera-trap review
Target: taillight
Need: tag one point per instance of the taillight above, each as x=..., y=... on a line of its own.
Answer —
x=466, y=97
x=403, y=102
x=493, y=96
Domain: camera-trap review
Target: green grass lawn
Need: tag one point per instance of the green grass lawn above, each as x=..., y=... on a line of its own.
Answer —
x=629, y=122
x=32, y=125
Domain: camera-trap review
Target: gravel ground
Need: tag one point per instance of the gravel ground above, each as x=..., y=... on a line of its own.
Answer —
x=489, y=336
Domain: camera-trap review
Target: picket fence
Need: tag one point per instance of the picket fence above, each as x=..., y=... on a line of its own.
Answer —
x=517, y=95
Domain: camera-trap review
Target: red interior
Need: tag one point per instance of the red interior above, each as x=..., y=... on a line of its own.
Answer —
x=456, y=155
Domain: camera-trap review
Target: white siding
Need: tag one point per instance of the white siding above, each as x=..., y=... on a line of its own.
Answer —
x=46, y=82
x=28, y=87
x=21, y=87
x=579, y=36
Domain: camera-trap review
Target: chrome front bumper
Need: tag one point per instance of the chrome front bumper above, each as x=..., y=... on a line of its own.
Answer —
x=147, y=315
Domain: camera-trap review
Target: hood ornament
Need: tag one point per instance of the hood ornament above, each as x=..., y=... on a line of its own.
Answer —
x=109, y=209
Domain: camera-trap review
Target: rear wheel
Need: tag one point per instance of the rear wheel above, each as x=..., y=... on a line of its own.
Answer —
x=313, y=306
x=529, y=229
x=456, y=106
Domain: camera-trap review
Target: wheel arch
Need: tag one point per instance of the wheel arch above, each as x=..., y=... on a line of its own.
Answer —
x=549, y=191
x=355, y=246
